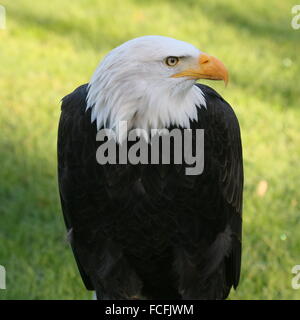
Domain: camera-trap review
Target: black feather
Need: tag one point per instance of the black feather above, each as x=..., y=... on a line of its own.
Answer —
x=151, y=230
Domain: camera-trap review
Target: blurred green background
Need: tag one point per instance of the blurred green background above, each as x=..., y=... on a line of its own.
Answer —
x=51, y=47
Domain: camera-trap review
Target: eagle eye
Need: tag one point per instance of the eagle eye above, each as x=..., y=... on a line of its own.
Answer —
x=171, y=61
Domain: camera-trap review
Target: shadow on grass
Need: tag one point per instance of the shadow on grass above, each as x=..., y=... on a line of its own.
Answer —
x=32, y=233
x=85, y=36
x=80, y=33
x=83, y=33
x=257, y=25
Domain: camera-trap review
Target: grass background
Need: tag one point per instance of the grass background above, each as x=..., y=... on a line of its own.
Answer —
x=51, y=47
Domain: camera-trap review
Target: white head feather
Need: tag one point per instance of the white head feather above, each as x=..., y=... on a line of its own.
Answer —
x=134, y=84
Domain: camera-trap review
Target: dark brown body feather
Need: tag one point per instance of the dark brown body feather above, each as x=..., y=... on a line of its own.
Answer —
x=151, y=230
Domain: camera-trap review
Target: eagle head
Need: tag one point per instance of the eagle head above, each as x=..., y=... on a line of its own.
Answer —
x=149, y=82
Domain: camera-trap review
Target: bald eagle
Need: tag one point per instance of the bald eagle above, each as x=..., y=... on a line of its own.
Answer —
x=151, y=230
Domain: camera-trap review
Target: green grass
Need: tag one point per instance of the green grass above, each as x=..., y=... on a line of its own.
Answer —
x=51, y=47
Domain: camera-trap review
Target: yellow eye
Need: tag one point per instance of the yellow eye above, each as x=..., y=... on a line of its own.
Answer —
x=172, y=61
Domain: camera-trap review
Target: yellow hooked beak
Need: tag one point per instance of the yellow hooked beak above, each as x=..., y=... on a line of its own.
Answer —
x=208, y=67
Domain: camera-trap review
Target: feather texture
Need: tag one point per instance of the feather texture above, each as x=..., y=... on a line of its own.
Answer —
x=150, y=230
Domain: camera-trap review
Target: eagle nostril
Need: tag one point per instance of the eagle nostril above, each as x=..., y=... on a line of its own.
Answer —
x=204, y=58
